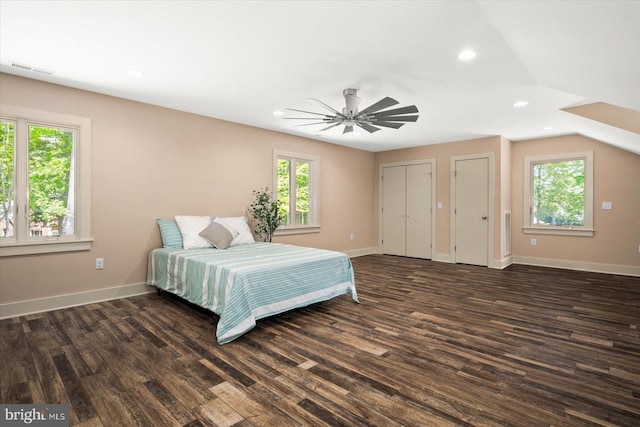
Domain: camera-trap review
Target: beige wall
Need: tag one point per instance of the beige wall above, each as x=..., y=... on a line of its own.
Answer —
x=616, y=180
x=151, y=162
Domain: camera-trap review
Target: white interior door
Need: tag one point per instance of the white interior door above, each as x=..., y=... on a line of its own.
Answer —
x=418, y=220
x=472, y=211
x=393, y=210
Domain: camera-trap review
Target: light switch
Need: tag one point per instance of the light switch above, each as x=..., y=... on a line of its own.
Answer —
x=606, y=205
x=439, y=205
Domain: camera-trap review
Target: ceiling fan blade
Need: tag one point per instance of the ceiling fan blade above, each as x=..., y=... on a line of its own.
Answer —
x=347, y=129
x=311, y=124
x=368, y=127
x=395, y=119
x=380, y=105
x=403, y=110
x=307, y=112
x=328, y=107
x=327, y=119
x=329, y=127
x=389, y=124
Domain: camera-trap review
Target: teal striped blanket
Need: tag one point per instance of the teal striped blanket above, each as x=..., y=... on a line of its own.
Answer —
x=248, y=282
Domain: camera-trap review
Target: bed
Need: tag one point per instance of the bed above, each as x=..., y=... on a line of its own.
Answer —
x=248, y=282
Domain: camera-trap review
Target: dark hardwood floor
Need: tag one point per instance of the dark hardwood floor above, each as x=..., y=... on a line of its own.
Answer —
x=430, y=344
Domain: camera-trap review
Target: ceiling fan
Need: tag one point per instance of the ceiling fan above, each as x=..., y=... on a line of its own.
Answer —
x=370, y=119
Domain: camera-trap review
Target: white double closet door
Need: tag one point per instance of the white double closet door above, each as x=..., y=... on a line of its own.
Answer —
x=406, y=210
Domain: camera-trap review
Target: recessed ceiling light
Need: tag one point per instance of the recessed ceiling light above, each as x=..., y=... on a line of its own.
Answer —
x=278, y=113
x=136, y=73
x=466, y=55
x=521, y=104
x=547, y=128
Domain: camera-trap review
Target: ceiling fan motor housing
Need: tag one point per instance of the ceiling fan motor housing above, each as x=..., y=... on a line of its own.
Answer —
x=352, y=100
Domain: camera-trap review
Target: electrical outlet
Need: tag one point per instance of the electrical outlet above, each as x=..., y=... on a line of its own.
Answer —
x=351, y=237
x=99, y=263
x=534, y=242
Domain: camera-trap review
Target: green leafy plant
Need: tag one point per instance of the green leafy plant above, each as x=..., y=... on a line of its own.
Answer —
x=264, y=212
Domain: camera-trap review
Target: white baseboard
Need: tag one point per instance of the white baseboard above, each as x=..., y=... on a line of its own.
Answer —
x=625, y=270
x=57, y=302
x=501, y=263
x=362, y=252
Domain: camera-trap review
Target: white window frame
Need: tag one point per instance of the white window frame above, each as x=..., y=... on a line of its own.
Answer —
x=314, y=161
x=21, y=243
x=531, y=228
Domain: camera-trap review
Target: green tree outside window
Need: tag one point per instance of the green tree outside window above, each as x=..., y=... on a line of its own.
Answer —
x=7, y=180
x=50, y=180
x=559, y=193
x=297, y=212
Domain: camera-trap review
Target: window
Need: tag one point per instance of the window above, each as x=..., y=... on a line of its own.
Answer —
x=296, y=184
x=44, y=182
x=559, y=194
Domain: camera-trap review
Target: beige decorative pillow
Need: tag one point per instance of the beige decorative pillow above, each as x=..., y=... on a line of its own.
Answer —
x=218, y=235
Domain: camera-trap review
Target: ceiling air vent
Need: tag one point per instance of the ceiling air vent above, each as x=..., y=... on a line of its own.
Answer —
x=30, y=68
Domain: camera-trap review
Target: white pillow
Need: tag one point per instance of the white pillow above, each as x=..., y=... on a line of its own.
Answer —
x=239, y=224
x=190, y=228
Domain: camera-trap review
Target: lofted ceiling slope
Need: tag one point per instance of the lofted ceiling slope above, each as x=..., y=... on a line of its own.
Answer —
x=240, y=61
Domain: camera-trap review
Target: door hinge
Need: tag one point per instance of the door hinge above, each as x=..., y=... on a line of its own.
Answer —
x=455, y=248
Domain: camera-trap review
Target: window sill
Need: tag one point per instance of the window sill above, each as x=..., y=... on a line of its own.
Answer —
x=560, y=231
x=42, y=247
x=297, y=229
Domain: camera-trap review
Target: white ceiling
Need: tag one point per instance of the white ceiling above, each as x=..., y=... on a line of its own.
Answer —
x=241, y=60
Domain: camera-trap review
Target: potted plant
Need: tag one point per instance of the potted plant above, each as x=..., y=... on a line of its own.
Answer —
x=264, y=213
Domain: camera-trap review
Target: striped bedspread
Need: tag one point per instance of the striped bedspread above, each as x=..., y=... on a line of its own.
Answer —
x=245, y=283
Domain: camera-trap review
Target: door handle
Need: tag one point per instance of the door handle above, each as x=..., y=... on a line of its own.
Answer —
x=484, y=217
